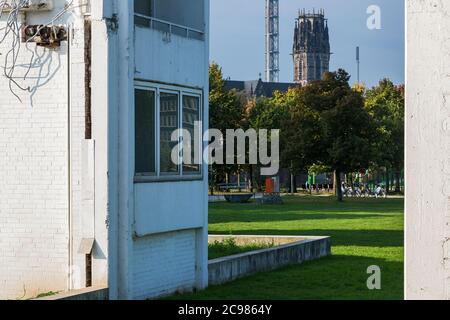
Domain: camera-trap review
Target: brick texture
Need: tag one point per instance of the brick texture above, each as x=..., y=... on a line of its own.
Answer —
x=164, y=264
x=34, y=237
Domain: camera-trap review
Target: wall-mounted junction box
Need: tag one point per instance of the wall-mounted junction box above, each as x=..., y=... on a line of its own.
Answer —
x=30, y=5
x=44, y=36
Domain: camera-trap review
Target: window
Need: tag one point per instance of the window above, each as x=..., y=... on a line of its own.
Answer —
x=145, y=131
x=191, y=118
x=183, y=18
x=168, y=125
x=144, y=7
x=160, y=111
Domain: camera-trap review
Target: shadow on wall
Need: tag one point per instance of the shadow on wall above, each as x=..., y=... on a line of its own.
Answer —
x=43, y=64
x=36, y=70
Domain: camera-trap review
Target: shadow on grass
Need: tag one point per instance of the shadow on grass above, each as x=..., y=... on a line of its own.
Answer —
x=361, y=236
x=336, y=277
x=281, y=216
x=314, y=204
x=369, y=238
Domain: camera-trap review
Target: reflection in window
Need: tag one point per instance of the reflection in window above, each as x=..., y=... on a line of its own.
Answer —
x=191, y=115
x=159, y=113
x=168, y=124
x=144, y=7
x=145, y=131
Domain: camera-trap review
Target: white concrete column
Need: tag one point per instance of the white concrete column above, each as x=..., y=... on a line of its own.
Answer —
x=124, y=144
x=202, y=234
x=104, y=123
x=427, y=265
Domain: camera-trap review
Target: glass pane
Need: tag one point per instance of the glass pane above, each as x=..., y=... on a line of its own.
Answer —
x=161, y=26
x=188, y=13
x=145, y=131
x=196, y=35
x=144, y=7
x=179, y=31
x=191, y=115
x=142, y=22
x=168, y=123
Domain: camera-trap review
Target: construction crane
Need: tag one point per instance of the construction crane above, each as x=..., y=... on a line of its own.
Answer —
x=272, y=41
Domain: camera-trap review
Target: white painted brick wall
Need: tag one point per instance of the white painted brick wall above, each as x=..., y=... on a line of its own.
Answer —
x=164, y=264
x=34, y=230
x=34, y=176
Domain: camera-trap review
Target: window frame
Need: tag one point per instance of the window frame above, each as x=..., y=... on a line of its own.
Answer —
x=156, y=135
x=200, y=109
x=181, y=91
x=158, y=120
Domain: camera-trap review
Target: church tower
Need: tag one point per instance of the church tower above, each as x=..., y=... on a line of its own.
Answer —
x=311, y=49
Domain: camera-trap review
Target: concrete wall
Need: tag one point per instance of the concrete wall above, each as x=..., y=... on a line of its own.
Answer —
x=223, y=270
x=104, y=118
x=157, y=212
x=427, y=266
x=87, y=294
x=179, y=61
x=174, y=231
x=156, y=245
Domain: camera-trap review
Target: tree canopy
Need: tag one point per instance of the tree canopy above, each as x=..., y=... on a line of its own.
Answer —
x=225, y=112
x=325, y=124
x=386, y=105
x=328, y=126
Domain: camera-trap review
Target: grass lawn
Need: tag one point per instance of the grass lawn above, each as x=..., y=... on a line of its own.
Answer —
x=364, y=232
x=229, y=247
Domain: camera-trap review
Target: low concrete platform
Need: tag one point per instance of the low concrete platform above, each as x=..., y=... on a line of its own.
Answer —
x=286, y=251
x=88, y=294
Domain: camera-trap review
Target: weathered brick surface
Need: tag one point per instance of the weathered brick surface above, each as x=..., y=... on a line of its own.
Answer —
x=164, y=264
x=34, y=193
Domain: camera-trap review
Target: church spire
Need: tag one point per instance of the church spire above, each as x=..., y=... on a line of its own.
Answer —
x=311, y=49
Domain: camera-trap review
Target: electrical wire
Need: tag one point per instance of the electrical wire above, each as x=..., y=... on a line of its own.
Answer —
x=11, y=10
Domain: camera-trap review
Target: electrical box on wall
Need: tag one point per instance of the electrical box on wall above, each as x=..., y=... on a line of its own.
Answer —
x=44, y=36
x=29, y=5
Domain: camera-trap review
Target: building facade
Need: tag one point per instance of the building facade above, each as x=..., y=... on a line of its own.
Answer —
x=311, y=50
x=258, y=88
x=87, y=187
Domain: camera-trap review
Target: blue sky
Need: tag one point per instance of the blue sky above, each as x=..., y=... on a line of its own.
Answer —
x=237, y=37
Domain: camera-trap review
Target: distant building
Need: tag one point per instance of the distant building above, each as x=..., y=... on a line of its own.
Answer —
x=258, y=88
x=311, y=50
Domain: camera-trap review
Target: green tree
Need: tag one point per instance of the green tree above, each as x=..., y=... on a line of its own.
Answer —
x=301, y=133
x=345, y=125
x=386, y=104
x=225, y=112
x=263, y=113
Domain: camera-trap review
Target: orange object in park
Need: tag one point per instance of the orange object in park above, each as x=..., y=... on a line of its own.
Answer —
x=269, y=185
